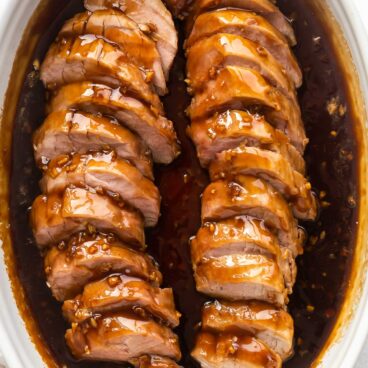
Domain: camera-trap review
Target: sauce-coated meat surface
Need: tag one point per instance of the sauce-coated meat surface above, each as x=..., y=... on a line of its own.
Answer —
x=112, y=300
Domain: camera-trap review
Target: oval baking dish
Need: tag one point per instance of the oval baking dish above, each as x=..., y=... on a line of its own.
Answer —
x=22, y=342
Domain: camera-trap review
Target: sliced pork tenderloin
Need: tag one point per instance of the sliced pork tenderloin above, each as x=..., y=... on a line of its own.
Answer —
x=235, y=235
x=119, y=293
x=105, y=127
x=242, y=277
x=56, y=216
x=120, y=338
x=65, y=132
x=232, y=128
x=265, y=8
x=253, y=27
x=105, y=173
x=153, y=19
x=156, y=131
x=273, y=168
x=231, y=350
x=242, y=235
x=237, y=87
x=247, y=195
x=94, y=59
x=116, y=27
x=209, y=55
x=85, y=258
x=273, y=326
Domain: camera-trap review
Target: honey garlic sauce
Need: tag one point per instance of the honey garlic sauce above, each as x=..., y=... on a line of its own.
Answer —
x=322, y=270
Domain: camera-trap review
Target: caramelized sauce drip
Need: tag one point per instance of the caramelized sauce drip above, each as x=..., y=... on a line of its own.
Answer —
x=322, y=271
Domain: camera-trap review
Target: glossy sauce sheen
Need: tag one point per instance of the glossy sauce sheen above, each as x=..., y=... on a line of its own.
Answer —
x=322, y=271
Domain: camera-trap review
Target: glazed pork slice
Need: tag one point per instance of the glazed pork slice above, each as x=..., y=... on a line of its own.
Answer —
x=273, y=326
x=273, y=168
x=105, y=173
x=120, y=338
x=65, y=132
x=119, y=293
x=242, y=235
x=265, y=8
x=90, y=58
x=232, y=128
x=242, y=277
x=247, y=195
x=153, y=362
x=116, y=27
x=237, y=87
x=85, y=258
x=250, y=26
x=235, y=235
x=56, y=216
x=207, y=56
x=156, y=131
x=152, y=17
x=233, y=351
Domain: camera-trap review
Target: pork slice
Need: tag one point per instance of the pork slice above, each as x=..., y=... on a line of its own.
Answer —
x=89, y=58
x=250, y=26
x=273, y=168
x=246, y=195
x=237, y=235
x=153, y=18
x=105, y=173
x=271, y=325
x=65, y=132
x=120, y=338
x=56, y=216
x=85, y=258
x=242, y=88
x=209, y=55
x=241, y=235
x=242, y=277
x=156, y=131
x=154, y=361
x=117, y=293
x=232, y=128
x=265, y=8
x=115, y=26
x=233, y=351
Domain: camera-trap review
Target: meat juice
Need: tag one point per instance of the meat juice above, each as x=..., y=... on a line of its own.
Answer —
x=323, y=269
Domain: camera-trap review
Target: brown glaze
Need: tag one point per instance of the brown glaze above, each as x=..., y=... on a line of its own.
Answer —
x=324, y=268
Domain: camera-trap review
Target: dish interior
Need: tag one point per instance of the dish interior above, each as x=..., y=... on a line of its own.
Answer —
x=323, y=270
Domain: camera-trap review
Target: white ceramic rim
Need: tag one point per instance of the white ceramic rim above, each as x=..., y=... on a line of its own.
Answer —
x=18, y=351
x=15, y=345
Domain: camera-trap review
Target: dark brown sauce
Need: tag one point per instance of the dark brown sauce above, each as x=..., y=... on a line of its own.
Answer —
x=324, y=268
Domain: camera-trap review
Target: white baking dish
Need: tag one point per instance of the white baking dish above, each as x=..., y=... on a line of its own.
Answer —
x=352, y=326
